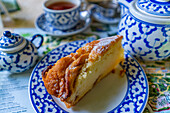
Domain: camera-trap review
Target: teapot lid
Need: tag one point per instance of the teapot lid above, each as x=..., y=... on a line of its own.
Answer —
x=154, y=7
x=10, y=42
x=145, y=14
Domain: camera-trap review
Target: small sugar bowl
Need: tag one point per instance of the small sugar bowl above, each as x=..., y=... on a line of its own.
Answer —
x=18, y=54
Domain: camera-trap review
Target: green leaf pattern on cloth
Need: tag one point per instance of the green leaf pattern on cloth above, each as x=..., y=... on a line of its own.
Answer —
x=158, y=74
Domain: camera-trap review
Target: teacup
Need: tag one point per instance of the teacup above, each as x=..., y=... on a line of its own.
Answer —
x=62, y=17
x=109, y=9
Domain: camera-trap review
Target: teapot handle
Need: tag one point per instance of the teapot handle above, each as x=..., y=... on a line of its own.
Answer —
x=41, y=41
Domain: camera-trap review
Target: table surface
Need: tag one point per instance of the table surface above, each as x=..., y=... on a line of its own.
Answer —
x=25, y=18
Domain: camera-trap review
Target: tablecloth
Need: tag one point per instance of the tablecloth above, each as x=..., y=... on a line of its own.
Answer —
x=158, y=72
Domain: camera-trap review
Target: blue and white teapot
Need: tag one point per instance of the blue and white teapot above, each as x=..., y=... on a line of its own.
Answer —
x=18, y=54
x=145, y=25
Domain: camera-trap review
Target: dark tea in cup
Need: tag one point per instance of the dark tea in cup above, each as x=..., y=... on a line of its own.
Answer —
x=61, y=5
x=62, y=14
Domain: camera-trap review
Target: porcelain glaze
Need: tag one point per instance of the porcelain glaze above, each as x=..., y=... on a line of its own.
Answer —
x=43, y=26
x=106, y=15
x=62, y=19
x=146, y=36
x=16, y=53
x=156, y=7
x=133, y=102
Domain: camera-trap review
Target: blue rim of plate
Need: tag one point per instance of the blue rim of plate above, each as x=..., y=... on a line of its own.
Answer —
x=46, y=28
x=136, y=95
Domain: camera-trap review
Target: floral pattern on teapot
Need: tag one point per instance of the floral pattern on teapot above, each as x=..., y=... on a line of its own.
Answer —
x=157, y=7
x=21, y=61
x=13, y=41
x=145, y=40
x=18, y=54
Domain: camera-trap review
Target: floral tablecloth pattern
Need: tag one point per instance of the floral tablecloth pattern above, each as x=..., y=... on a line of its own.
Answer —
x=158, y=72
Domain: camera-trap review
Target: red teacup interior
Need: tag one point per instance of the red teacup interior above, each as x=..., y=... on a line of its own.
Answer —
x=61, y=5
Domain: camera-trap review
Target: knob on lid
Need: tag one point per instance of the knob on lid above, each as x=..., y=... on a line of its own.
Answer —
x=10, y=40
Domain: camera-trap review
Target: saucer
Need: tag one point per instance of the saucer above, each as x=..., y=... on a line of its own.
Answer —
x=103, y=19
x=46, y=28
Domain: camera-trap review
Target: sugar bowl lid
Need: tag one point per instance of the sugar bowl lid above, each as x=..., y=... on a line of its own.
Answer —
x=154, y=7
x=11, y=42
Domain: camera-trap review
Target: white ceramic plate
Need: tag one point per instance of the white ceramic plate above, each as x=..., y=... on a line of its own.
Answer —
x=113, y=94
x=46, y=28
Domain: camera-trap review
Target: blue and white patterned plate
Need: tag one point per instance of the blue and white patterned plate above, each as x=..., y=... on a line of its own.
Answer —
x=46, y=28
x=114, y=93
